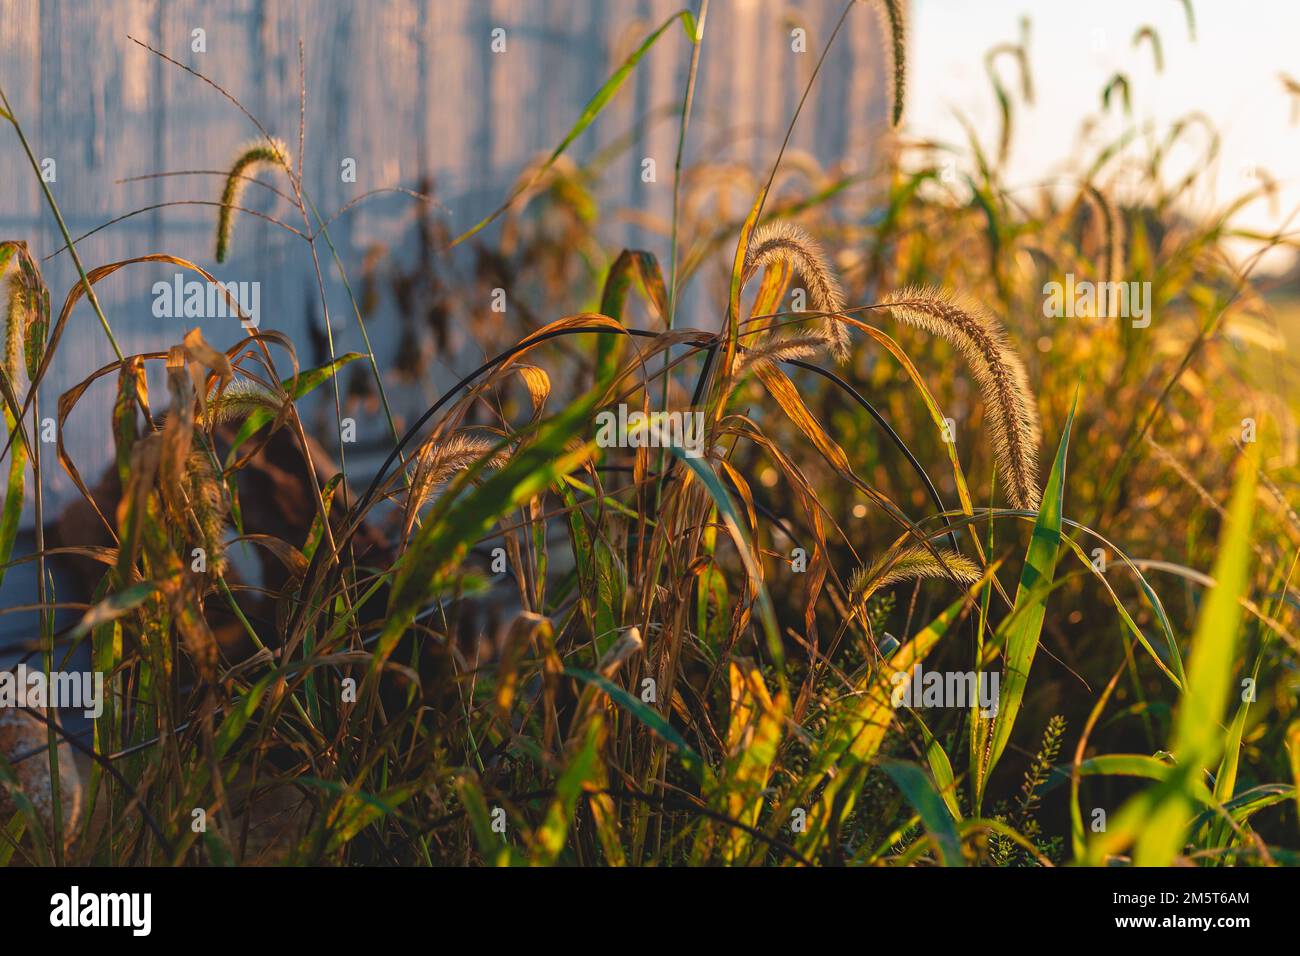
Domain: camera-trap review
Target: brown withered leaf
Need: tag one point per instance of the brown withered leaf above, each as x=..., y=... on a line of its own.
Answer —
x=178, y=430
x=202, y=355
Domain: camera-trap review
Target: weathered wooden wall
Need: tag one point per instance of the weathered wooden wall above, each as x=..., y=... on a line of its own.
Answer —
x=403, y=86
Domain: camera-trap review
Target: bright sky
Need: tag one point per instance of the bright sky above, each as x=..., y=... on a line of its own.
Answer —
x=1230, y=73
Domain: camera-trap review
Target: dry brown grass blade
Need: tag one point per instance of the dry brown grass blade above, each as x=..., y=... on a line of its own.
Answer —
x=133, y=367
x=93, y=276
x=202, y=355
x=787, y=397
x=132, y=508
x=539, y=385
x=178, y=429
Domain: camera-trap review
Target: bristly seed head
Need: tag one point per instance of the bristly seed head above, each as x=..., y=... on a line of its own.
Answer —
x=893, y=21
x=15, y=319
x=786, y=242
x=781, y=349
x=262, y=152
x=1010, y=412
x=1108, y=231
x=908, y=563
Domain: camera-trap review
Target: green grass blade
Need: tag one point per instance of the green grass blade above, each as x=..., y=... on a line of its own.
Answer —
x=13, y=832
x=647, y=715
x=1156, y=820
x=940, y=767
x=1025, y=623
x=925, y=799
x=631, y=266
x=549, y=839
x=15, y=491
x=1197, y=737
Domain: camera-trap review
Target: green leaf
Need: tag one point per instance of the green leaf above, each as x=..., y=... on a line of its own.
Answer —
x=1244, y=805
x=688, y=24
x=1021, y=630
x=13, y=832
x=1225, y=778
x=940, y=766
x=240, y=715
x=582, y=769
x=492, y=845
x=632, y=265
x=1156, y=820
x=14, y=495
x=1175, y=675
x=113, y=607
x=9, y=785
x=925, y=800
x=357, y=810
x=647, y=715
x=1197, y=738
x=1137, y=765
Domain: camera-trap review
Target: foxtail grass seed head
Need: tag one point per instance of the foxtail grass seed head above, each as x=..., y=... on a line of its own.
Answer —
x=16, y=306
x=998, y=372
x=908, y=563
x=893, y=23
x=441, y=460
x=238, y=400
x=781, y=349
x=788, y=243
x=1107, y=231
x=261, y=153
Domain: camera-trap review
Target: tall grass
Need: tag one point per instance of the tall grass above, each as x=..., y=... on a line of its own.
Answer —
x=512, y=645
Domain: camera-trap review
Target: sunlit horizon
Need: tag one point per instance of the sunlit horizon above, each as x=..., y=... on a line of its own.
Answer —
x=1230, y=73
